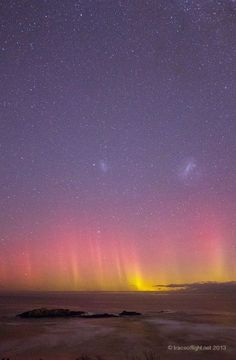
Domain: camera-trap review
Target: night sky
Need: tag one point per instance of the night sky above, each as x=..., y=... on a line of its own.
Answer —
x=117, y=143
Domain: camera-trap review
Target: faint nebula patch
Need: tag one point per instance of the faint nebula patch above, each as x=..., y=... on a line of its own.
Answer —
x=189, y=171
x=103, y=166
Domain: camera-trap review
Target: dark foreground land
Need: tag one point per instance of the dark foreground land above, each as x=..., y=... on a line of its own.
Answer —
x=171, y=327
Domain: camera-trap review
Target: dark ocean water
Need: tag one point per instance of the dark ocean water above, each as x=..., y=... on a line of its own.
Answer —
x=12, y=303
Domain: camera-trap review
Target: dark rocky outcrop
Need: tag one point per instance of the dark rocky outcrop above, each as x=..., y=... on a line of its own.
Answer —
x=52, y=313
x=43, y=312
x=129, y=313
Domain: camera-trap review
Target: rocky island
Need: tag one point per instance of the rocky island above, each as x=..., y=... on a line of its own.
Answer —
x=53, y=313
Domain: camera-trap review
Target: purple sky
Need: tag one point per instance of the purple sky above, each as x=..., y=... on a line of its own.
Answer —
x=117, y=125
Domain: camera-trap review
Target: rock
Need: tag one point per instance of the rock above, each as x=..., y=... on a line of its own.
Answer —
x=43, y=312
x=52, y=313
x=129, y=313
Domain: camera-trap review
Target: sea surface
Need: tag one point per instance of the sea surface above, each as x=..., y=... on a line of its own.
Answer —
x=172, y=326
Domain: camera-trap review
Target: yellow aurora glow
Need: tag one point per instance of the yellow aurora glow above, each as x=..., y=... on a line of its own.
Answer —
x=85, y=261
